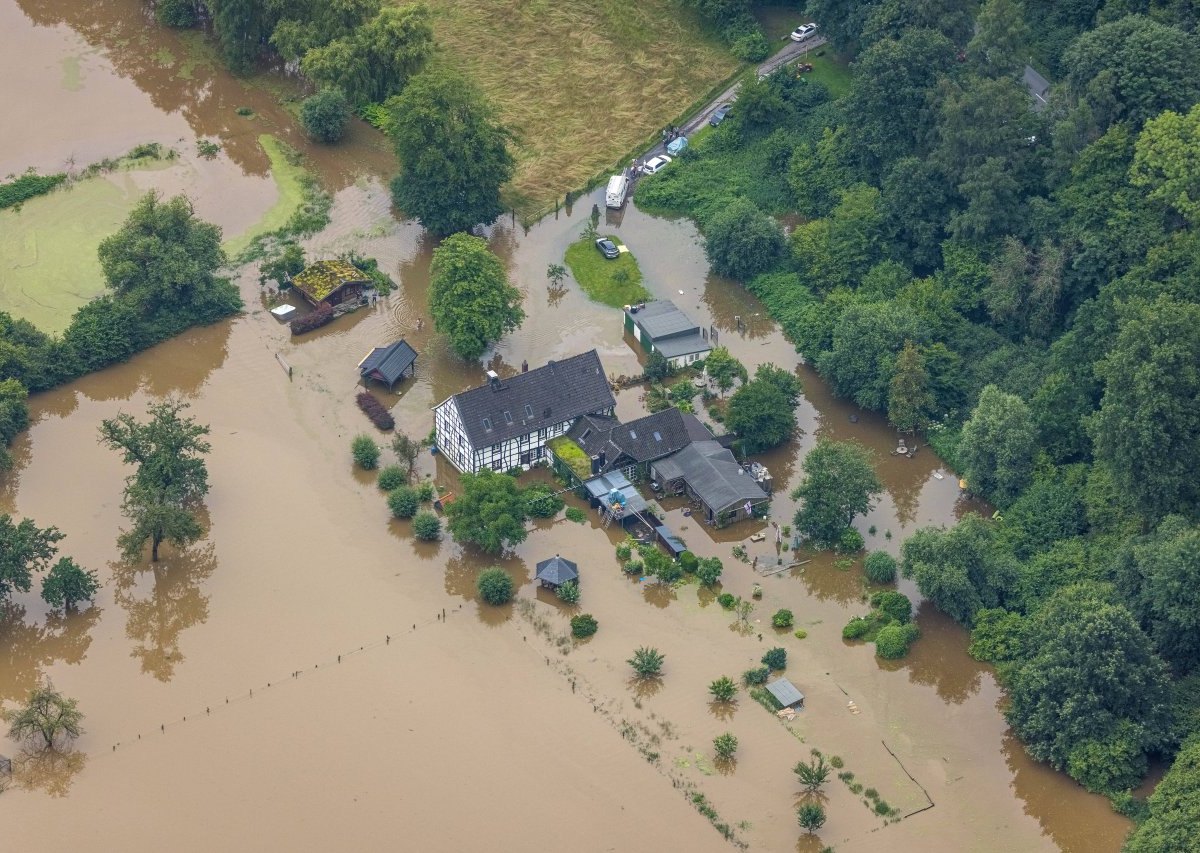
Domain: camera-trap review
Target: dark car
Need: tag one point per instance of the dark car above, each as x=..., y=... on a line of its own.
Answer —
x=608, y=248
x=720, y=114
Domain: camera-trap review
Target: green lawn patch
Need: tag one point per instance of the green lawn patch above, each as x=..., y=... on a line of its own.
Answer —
x=289, y=179
x=614, y=282
x=832, y=70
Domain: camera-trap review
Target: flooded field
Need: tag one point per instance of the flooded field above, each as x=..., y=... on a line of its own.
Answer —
x=291, y=683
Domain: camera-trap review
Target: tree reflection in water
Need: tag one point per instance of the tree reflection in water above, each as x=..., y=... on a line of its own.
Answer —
x=27, y=649
x=49, y=770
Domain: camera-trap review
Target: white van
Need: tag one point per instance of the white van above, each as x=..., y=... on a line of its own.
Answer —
x=614, y=196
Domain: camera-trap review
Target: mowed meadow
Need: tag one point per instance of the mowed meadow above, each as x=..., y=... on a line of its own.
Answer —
x=580, y=84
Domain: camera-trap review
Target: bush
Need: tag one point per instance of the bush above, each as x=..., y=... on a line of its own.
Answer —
x=726, y=600
x=893, y=606
x=708, y=571
x=723, y=689
x=725, y=745
x=365, y=452
x=750, y=48
x=542, y=502
x=775, y=658
x=583, y=625
x=324, y=115
x=576, y=515
x=427, y=526
x=688, y=562
x=633, y=567
x=856, y=629
x=880, y=567
x=742, y=241
x=668, y=571
x=425, y=491
x=646, y=662
x=801, y=634
x=314, y=319
x=180, y=14
x=782, y=619
x=568, y=592
x=758, y=675
x=624, y=550
x=392, y=477
x=28, y=186
x=495, y=586
x=375, y=410
x=403, y=502
x=850, y=542
x=893, y=640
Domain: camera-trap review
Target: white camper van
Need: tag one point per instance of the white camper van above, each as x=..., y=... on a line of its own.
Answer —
x=614, y=196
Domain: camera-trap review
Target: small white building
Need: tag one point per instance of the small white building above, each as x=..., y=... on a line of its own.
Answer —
x=506, y=423
x=661, y=327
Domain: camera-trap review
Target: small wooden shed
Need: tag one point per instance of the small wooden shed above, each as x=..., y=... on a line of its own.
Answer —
x=331, y=283
x=786, y=694
x=389, y=364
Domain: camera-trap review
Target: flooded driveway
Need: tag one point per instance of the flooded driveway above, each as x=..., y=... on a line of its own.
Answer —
x=291, y=682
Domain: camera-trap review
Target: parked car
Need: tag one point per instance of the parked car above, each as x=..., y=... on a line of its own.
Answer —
x=656, y=164
x=720, y=114
x=804, y=31
x=608, y=248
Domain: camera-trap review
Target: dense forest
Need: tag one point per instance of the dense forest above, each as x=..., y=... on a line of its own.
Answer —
x=1018, y=277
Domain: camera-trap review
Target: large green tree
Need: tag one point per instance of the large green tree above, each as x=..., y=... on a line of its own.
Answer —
x=242, y=28
x=1174, y=808
x=741, y=241
x=453, y=153
x=961, y=570
x=1093, y=697
x=165, y=259
x=1162, y=581
x=910, y=402
x=25, y=548
x=162, y=496
x=723, y=369
x=307, y=24
x=68, y=583
x=862, y=356
x=998, y=445
x=14, y=416
x=1148, y=427
x=839, y=484
x=763, y=411
x=470, y=298
x=1001, y=38
x=489, y=511
x=1167, y=162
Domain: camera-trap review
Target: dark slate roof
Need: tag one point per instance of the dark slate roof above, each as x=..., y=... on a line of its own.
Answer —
x=785, y=692
x=390, y=361
x=711, y=471
x=559, y=391
x=557, y=570
x=1038, y=85
x=661, y=319
x=682, y=345
x=643, y=440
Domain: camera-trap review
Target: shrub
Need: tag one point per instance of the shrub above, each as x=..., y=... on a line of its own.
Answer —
x=782, y=619
x=569, y=592
x=856, y=629
x=624, y=550
x=583, y=625
x=495, y=586
x=723, y=689
x=880, y=567
x=811, y=816
x=28, y=186
x=425, y=491
x=542, y=502
x=775, y=658
x=688, y=562
x=850, y=541
x=646, y=662
x=893, y=606
x=314, y=319
x=708, y=571
x=725, y=745
x=633, y=567
x=758, y=675
x=375, y=410
x=893, y=640
x=726, y=600
x=180, y=14
x=392, y=477
x=427, y=526
x=365, y=452
x=668, y=571
x=576, y=515
x=403, y=502
x=801, y=634
x=324, y=115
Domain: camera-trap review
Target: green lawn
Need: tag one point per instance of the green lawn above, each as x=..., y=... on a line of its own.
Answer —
x=832, y=70
x=615, y=282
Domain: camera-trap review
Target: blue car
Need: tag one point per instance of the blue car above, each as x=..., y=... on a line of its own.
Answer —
x=720, y=114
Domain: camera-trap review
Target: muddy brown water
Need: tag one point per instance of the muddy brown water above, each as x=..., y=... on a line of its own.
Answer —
x=219, y=713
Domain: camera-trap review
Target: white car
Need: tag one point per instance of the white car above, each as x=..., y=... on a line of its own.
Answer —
x=656, y=164
x=804, y=31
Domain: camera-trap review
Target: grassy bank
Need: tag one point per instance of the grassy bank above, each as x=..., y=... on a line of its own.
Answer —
x=580, y=84
x=291, y=180
x=614, y=282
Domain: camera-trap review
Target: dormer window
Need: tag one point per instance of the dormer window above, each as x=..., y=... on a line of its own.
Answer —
x=487, y=424
x=528, y=411
x=508, y=418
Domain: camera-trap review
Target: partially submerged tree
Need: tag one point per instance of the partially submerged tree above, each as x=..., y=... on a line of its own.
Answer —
x=25, y=548
x=646, y=662
x=724, y=689
x=489, y=512
x=997, y=446
x=839, y=484
x=725, y=745
x=724, y=369
x=811, y=816
x=471, y=300
x=762, y=412
x=495, y=586
x=813, y=773
x=47, y=720
x=67, y=583
x=325, y=115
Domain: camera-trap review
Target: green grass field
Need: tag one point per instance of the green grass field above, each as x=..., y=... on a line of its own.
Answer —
x=614, y=282
x=581, y=84
x=287, y=176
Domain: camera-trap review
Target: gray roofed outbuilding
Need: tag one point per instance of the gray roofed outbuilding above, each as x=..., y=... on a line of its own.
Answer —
x=713, y=474
x=1038, y=86
x=557, y=571
x=557, y=392
x=388, y=364
x=785, y=693
x=662, y=319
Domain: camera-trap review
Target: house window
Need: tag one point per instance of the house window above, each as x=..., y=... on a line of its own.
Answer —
x=541, y=434
x=657, y=435
x=528, y=411
x=487, y=424
x=586, y=433
x=632, y=434
x=508, y=418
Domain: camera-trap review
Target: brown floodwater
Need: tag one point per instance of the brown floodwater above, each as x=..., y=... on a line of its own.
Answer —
x=290, y=683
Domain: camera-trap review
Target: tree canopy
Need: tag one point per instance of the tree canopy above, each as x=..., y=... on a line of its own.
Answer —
x=25, y=549
x=470, y=298
x=453, y=153
x=741, y=241
x=489, y=512
x=839, y=484
x=997, y=446
x=762, y=412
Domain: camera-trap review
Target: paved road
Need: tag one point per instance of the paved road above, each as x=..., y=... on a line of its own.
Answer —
x=790, y=53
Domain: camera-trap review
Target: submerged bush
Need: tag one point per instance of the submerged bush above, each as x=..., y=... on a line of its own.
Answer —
x=427, y=526
x=782, y=619
x=365, y=452
x=425, y=491
x=727, y=600
x=568, y=592
x=856, y=629
x=633, y=567
x=314, y=319
x=758, y=675
x=403, y=502
x=495, y=586
x=392, y=477
x=893, y=640
x=583, y=625
x=850, y=541
x=375, y=410
x=324, y=115
x=775, y=658
x=880, y=567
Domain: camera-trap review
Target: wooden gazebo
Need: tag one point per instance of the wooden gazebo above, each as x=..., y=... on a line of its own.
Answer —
x=556, y=571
